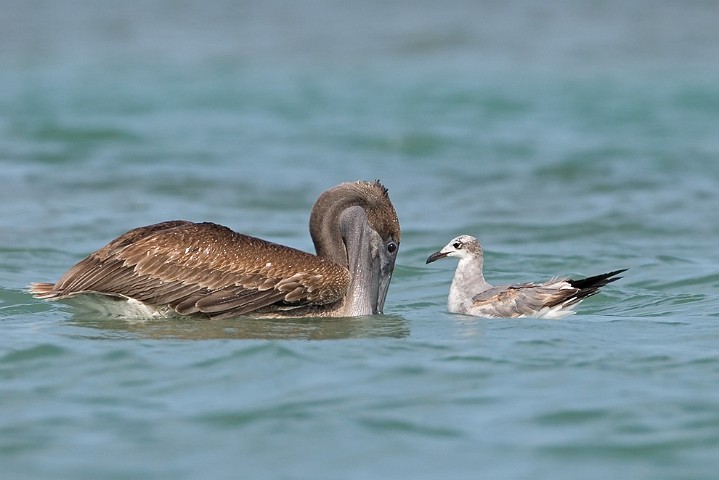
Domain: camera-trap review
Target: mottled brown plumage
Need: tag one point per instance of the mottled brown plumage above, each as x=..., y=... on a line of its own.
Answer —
x=204, y=268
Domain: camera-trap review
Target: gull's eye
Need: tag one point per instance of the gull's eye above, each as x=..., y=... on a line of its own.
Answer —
x=457, y=245
x=391, y=247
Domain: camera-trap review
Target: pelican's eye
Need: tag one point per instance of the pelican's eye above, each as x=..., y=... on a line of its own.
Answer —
x=391, y=247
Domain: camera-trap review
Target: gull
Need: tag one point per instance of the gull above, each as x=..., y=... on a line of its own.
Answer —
x=470, y=293
x=180, y=268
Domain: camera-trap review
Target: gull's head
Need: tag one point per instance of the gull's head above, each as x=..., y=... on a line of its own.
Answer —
x=462, y=247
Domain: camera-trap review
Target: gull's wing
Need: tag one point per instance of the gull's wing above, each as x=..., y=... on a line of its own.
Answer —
x=524, y=300
x=531, y=299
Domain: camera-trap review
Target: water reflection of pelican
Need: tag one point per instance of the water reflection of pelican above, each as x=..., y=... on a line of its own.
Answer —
x=320, y=328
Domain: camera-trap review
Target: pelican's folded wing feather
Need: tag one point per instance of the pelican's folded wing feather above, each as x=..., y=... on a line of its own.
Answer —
x=203, y=267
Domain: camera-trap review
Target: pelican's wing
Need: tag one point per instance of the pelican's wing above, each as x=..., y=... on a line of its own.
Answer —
x=202, y=267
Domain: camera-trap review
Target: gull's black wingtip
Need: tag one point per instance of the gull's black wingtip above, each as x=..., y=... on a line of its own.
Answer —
x=597, y=280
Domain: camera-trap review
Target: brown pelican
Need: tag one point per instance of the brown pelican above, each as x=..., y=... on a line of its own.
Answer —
x=185, y=268
x=472, y=295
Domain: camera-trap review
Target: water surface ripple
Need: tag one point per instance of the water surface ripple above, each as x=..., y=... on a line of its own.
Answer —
x=572, y=138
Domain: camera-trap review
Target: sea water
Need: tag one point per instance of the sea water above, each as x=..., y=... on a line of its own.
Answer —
x=573, y=138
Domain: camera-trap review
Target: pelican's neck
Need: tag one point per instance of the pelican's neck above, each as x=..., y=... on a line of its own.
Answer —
x=326, y=226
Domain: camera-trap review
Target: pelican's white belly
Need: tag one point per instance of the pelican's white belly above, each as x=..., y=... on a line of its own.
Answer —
x=117, y=306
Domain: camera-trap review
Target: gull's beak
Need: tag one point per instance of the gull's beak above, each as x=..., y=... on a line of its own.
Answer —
x=437, y=256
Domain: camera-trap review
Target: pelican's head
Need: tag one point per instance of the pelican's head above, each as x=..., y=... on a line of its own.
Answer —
x=355, y=225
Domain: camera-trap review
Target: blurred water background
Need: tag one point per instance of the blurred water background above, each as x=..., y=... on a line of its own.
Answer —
x=571, y=137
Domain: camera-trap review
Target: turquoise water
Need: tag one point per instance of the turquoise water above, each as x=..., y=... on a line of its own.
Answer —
x=572, y=138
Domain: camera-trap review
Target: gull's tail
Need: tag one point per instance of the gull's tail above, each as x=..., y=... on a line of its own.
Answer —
x=591, y=285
